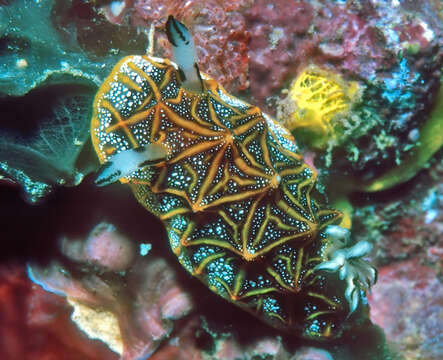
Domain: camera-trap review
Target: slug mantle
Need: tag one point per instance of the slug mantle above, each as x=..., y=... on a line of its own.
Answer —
x=239, y=204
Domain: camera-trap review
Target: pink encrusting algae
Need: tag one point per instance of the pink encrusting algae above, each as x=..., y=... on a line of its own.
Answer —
x=289, y=35
x=139, y=301
x=36, y=324
x=407, y=303
x=218, y=29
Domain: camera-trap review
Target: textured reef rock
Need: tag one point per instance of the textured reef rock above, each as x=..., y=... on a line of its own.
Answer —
x=287, y=36
x=392, y=51
x=408, y=228
x=35, y=324
x=407, y=224
x=218, y=29
x=129, y=304
x=415, y=327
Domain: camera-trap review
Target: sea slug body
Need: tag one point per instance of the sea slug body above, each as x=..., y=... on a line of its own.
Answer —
x=239, y=204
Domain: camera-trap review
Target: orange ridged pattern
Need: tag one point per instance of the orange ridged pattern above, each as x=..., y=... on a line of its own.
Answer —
x=234, y=193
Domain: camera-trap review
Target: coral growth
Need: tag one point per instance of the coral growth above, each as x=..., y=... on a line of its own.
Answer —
x=218, y=29
x=138, y=305
x=36, y=325
x=136, y=312
x=407, y=303
x=105, y=248
x=392, y=51
x=407, y=229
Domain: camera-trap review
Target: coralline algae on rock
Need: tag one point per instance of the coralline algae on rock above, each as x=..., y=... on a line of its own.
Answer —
x=399, y=70
x=36, y=324
x=407, y=303
x=218, y=27
x=139, y=304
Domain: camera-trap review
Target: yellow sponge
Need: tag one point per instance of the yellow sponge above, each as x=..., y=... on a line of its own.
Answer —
x=314, y=99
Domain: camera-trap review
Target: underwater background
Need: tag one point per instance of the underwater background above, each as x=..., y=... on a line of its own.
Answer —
x=87, y=273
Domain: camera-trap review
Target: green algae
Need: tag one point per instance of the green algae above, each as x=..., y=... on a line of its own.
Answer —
x=41, y=146
x=53, y=55
x=35, y=50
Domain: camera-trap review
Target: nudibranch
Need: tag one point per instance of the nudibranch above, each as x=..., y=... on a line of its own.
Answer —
x=239, y=204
